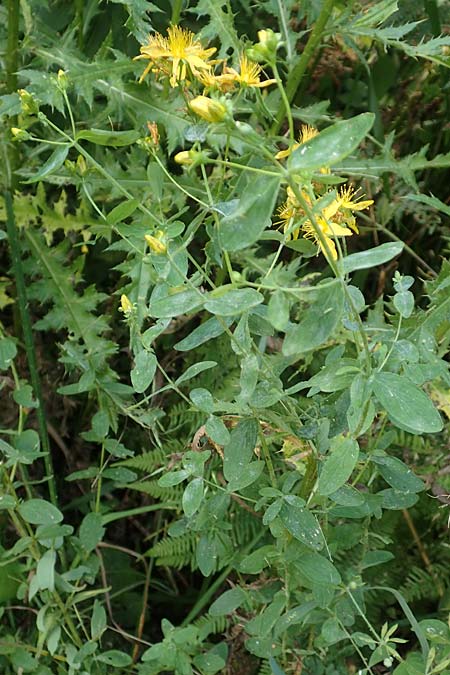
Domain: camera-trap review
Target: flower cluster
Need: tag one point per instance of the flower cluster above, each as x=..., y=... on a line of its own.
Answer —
x=334, y=220
x=182, y=57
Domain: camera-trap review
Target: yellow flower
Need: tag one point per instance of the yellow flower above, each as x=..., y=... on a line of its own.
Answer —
x=156, y=244
x=306, y=134
x=208, y=109
x=334, y=220
x=247, y=76
x=178, y=55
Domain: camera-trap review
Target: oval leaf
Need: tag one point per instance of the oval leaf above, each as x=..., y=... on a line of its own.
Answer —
x=40, y=512
x=234, y=301
x=338, y=465
x=374, y=256
x=227, y=602
x=407, y=406
x=143, y=371
x=104, y=137
x=303, y=525
x=332, y=144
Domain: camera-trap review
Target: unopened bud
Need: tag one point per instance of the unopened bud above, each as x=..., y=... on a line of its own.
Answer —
x=155, y=244
x=208, y=109
x=265, y=50
x=184, y=157
x=126, y=306
x=28, y=103
x=62, y=80
x=81, y=165
x=19, y=134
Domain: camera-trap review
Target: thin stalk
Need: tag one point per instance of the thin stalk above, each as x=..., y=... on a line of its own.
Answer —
x=176, y=12
x=285, y=100
x=22, y=303
x=11, y=67
x=297, y=73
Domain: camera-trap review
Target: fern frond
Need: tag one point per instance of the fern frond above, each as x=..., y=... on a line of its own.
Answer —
x=147, y=462
x=153, y=489
x=175, y=552
x=421, y=584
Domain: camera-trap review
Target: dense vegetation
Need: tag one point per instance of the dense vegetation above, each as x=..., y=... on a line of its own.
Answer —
x=224, y=337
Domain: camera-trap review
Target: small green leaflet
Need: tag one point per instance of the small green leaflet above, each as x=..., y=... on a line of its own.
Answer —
x=233, y=301
x=303, y=525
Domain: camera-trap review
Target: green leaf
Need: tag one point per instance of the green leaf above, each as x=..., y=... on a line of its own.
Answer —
x=203, y=399
x=278, y=310
x=192, y=497
x=45, y=571
x=404, y=303
x=144, y=370
x=232, y=301
x=54, y=162
x=40, y=512
x=338, y=465
x=7, y=502
x=332, y=144
x=122, y=211
x=212, y=328
x=104, y=137
x=91, y=531
x=373, y=256
x=195, y=370
x=115, y=658
x=98, y=620
x=169, y=306
x=227, y=602
x=255, y=562
x=303, y=525
x=8, y=351
x=252, y=214
x=248, y=474
x=238, y=452
x=430, y=201
x=398, y=474
x=317, y=569
x=319, y=322
x=406, y=405
x=217, y=431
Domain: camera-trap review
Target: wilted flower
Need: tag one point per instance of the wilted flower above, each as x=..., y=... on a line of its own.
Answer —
x=178, y=55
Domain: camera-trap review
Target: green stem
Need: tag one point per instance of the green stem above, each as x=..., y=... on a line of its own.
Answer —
x=28, y=340
x=11, y=67
x=297, y=73
x=176, y=11
x=286, y=101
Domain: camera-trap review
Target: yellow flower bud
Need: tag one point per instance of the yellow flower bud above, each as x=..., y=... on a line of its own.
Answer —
x=28, y=103
x=155, y=244
x=208, y=109
x=19, y=134
x=62, y=79
x=184, y=157
x=126, y=306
